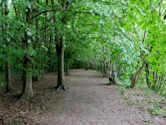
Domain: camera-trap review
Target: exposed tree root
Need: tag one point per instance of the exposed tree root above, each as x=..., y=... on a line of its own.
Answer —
x=60, y=87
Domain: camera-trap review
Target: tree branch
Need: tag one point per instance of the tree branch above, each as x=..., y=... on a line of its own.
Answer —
x=85, y=12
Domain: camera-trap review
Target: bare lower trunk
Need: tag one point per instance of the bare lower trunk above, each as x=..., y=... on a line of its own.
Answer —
x=67, y=67
x=59, y=45
x=8, y=76
x=50, y=68
x=27, y=91
x=5, y=29
x=113, y=76
x=147, y=74
x=60, y=57
x=104, y=69
x=136, y=75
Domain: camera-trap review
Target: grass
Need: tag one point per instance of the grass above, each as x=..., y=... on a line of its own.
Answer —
x=124, y=85
x=158, y=111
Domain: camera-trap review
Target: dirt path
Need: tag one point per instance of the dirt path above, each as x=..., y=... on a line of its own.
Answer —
x=88, y=101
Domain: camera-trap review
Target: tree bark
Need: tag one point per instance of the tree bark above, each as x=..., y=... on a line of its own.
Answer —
x=8, y=76
x=60, y=57
x=113, y=75
x=27, y=91
x=50, y=68
x=7, y=60
x=135, y=76
x=67, y=67
x=147, y=74
x=60, y=45
x=46, y=28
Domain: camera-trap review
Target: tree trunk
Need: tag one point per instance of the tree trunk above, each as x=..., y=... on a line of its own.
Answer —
x=67, y=67
x=50, y=68
x=8, y=76
x=135, y=76
x=27, y=91
x=7, y=60
x=104, y=69
x=60, y=57
x=147, y=74
x=46, y=28
x=113, y=75
x=59, y=45
x=38, y=64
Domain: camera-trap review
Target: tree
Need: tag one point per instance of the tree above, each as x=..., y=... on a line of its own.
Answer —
x=7, y=40
x=27, y=91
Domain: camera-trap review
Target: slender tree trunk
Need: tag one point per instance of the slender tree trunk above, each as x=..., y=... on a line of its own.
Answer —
x=104, y=69
x=41, y=61
x=147, y=74
x=113, y=75
x=7, y=60
x=60, y=57
x=67, y=67
x=36, y=65
x=59, y=45
x=135, y=76
x=8, y=76
x=46, y=28
x=50, y=68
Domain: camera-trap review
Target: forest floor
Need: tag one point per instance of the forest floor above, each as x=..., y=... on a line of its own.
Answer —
x=87, y=101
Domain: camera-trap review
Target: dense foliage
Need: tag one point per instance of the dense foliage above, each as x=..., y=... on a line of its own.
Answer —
x=124, y=39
